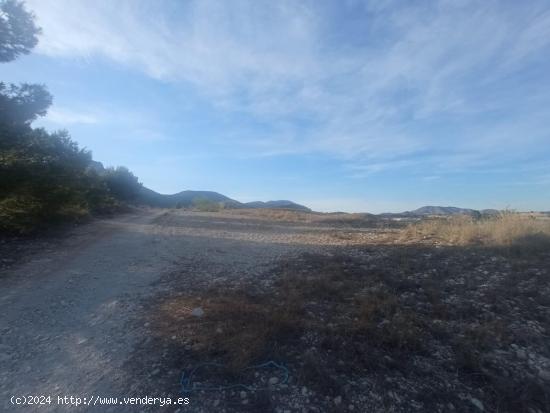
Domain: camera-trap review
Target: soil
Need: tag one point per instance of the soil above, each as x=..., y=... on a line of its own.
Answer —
x=80, y=315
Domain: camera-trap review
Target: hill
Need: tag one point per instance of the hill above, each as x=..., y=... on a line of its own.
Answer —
x=282, y=204
x=188, y=198
x=440, y=211
x=185, y=198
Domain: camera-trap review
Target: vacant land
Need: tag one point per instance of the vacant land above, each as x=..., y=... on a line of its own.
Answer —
x=279, y=311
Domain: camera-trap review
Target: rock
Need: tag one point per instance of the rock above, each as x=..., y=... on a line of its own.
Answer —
x=243, y=395
x=477, y=403
x=544, y=374
x=520, y=353
x=216, y=403
x=4, y=356
x=338, y=400
x=304, y=391
x=197, y=312
x=273, y=381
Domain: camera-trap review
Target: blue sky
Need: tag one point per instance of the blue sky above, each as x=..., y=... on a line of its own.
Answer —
x=341, y=105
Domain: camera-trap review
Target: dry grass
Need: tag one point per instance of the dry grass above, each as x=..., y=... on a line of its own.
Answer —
x=520, y=232
x=242, y=327
x=236, y=328
x=286, y=215
x=438, y=321
x=294, y=216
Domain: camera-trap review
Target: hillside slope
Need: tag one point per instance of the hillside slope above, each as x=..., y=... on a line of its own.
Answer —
x=189, y=198
x=282, y=204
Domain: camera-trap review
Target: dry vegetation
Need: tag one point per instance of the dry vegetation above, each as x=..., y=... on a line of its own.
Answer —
x=244, y=325
x=461, y=325
x=515, y=231
x=294, y=216
x=275, y=214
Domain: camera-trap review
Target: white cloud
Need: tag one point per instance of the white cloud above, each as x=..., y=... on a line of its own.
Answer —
x=280, y=62
x=63, y=117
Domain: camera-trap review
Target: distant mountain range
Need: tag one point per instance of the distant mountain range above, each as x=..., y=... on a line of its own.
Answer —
x=284, y=204
x=190, y=198
x=187, y=199
x=440, y=210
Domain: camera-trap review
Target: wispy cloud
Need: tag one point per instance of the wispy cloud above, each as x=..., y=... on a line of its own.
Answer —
x=360, y=96
x=63, y=117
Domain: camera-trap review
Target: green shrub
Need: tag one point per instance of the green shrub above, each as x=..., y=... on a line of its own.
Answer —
x=205, y=205
x=45, y=177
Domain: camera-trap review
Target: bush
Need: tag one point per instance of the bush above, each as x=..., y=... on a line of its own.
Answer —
x=514, y=231
x=122, y=183
x=205, y=205
x=46, y=179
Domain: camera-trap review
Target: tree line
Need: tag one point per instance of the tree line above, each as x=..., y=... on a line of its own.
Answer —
x=45, y=177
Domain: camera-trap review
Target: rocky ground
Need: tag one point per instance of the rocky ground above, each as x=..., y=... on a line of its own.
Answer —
x=361, y=322
x=348, y=314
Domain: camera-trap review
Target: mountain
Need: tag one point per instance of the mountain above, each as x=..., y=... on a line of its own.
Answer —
x=490, y=212
x=440, y=210
x=185, y=198
x=189, y=198
x=282, y=204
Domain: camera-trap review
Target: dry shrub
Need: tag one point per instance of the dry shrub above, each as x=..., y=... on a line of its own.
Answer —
x=274, y=214
x=241, y=328
x=382, y=319
x=516, y=231
x=289, y=215
x=330, y=319
x=236, y=327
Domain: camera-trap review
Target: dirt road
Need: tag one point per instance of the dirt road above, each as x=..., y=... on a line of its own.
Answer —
x=68, y=320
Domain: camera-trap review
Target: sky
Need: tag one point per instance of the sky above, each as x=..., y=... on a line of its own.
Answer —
x=350, y=106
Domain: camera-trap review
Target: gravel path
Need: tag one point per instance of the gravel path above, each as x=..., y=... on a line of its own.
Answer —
x=66, y=322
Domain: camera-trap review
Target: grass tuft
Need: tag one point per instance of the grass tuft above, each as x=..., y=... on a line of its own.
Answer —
x=516, y=232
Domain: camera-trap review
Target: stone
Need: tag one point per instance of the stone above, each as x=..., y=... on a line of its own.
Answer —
x=544, y=374
x=477, y=403
x=338, y=400
x=197, y=312
x=273, y=380
x=520, y=353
